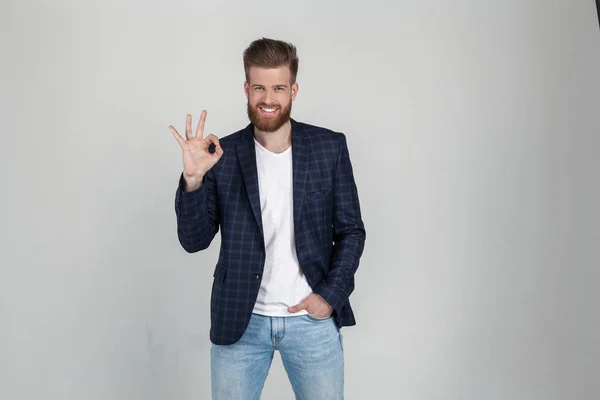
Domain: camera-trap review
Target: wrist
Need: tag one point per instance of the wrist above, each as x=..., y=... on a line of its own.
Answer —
x=192, y=183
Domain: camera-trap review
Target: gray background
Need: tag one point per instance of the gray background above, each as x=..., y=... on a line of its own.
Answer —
x=473, y=130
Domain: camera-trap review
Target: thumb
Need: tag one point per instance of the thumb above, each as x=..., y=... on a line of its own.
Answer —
x=298, y=307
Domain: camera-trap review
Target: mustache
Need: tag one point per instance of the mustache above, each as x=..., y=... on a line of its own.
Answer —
x=264, y=105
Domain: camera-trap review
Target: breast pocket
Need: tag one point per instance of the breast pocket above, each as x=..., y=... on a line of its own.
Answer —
x=317, y=194
x=317, y=207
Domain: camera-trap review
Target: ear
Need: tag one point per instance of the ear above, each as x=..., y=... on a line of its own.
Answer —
x=247, y=89
x=294, y=90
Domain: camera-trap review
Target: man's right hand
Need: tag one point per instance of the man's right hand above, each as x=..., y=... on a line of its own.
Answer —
x=197, y=160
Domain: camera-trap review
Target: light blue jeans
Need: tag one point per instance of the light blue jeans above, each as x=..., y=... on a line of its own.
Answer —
x=311, y=350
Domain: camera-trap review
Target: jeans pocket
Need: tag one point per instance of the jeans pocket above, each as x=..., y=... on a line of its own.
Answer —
x=313, y=318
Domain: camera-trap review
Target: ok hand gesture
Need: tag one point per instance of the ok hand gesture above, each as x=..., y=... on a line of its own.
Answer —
x=197, y=160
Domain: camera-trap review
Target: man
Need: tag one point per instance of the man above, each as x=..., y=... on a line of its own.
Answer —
x=284, y=197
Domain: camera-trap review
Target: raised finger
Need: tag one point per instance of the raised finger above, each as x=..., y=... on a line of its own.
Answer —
x=188, y=127
x=200, y=128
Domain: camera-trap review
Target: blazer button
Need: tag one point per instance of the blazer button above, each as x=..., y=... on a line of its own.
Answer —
x=256, y=276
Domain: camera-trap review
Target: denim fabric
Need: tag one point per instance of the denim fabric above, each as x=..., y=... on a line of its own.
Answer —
x=311, y=350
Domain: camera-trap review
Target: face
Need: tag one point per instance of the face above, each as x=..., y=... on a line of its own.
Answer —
x=270, y=97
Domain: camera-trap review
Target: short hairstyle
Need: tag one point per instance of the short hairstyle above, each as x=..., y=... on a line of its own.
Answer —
x=271, y=53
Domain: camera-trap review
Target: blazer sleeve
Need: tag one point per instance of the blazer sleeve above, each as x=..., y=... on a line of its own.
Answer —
x=197, y=214
x=348, y=234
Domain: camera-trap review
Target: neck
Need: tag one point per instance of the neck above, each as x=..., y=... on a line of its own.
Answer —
x=277, y=141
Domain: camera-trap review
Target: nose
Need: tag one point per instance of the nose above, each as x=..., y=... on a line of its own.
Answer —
x=268, y=96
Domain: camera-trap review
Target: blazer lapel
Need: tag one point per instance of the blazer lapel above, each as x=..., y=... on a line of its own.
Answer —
x=247, y=159
x=300, y=156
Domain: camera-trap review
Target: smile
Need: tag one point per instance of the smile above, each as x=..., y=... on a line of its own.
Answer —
x=268, y=110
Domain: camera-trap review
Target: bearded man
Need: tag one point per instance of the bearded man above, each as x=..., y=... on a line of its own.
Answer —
x=284, y=197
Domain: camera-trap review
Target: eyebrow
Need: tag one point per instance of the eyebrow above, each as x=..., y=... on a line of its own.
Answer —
x=280, y=85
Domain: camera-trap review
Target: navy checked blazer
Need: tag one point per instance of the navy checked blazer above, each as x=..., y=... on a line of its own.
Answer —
x=329, y=231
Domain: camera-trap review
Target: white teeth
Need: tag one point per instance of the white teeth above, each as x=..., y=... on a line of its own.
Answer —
x=268, y=109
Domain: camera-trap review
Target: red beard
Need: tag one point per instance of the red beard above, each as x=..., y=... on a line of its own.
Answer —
x=269, y=124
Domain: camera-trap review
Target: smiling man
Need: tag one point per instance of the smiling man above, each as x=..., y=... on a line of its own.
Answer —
x=283, y=195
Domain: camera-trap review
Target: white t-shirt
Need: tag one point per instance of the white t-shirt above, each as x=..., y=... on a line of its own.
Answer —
x=283, y=283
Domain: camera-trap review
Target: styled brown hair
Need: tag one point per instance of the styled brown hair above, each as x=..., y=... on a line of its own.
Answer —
x=271, y=53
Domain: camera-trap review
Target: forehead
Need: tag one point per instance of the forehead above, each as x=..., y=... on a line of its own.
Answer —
x=269, y=76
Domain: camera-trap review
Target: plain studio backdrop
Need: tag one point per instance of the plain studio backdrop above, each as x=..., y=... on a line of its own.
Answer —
x=473, y=128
